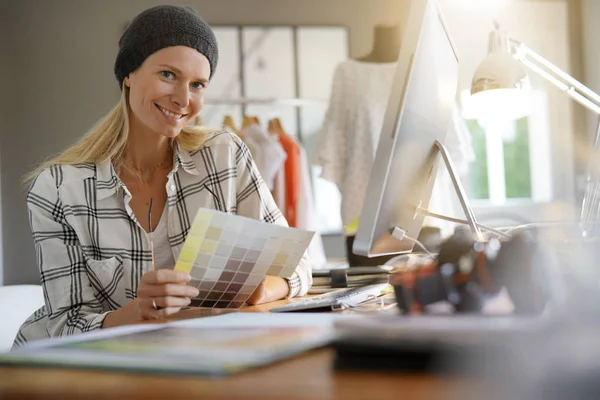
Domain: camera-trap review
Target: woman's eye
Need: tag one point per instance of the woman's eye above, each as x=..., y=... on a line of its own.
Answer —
x=167, y=74
x=198, y=85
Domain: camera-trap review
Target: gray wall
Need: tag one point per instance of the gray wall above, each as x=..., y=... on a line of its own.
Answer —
x=62, y=68
x=6, y=68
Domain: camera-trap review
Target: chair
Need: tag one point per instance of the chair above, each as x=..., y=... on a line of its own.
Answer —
x=17, y=303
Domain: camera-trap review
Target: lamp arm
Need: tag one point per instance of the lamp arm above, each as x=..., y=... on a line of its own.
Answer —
x=559, y=78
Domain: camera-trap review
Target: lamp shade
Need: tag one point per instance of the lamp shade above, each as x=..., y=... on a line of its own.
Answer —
x=499, y=70
x=500, y=87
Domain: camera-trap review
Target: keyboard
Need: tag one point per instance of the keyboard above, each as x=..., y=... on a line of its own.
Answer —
x=335, y=300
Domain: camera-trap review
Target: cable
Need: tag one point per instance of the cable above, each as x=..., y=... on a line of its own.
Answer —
x=421, y=245
x=428, y=213
x=400, y=234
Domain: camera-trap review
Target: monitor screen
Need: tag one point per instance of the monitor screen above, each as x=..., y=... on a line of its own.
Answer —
x=418, y=114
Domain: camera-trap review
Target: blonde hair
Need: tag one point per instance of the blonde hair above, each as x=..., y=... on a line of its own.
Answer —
x=107, y=139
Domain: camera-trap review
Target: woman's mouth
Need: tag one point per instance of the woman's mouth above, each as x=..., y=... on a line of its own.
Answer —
x=170, y=115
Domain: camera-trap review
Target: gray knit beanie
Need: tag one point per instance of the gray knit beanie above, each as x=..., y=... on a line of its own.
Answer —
x=164, y=26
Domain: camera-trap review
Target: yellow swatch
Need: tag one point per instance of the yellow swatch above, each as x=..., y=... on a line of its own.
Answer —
x=187, y=256
x=192, y=243
x=353, y=227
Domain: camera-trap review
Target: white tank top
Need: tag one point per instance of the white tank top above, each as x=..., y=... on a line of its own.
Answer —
x=163, y=255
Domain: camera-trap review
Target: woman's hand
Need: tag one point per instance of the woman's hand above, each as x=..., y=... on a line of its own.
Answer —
x=272, y=288
x=161, y=292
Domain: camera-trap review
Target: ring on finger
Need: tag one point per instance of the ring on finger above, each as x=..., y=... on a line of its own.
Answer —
x=155, y=306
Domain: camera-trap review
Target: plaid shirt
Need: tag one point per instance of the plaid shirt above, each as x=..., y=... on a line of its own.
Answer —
x=91, y=250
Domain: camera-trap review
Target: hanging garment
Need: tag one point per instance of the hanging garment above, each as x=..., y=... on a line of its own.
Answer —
x=271, y=155
x=279, y=188
x=292, y=177
x=347, y=143
x=306, y=216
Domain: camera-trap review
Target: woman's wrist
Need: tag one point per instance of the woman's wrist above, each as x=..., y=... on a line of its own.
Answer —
x=120, y=316
x=282, y=290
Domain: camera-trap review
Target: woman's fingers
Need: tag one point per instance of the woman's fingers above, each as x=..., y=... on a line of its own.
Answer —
x=166, y=290
x=164, y=306
x=168, y=302
x=163, y=292
x=161, y=276
x=169, y=311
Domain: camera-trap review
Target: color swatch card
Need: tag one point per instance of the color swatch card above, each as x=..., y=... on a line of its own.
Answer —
x=229, y=255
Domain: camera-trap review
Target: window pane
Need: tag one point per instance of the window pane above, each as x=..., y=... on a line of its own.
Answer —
x=269, y=73
x=478, y=187
x=517, y=171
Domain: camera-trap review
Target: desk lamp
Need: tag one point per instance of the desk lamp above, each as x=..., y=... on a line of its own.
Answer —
x=501, y=81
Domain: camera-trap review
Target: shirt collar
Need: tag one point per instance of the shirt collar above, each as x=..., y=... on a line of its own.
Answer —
x=107, y=180
x=184, y=160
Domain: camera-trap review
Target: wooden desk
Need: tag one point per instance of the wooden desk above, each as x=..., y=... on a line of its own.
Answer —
x=309, y=376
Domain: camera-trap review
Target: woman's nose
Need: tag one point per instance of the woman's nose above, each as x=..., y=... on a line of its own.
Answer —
x=181, y=96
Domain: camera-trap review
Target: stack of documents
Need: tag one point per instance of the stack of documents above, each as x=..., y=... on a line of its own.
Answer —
x=213, y=346
x=333, y=279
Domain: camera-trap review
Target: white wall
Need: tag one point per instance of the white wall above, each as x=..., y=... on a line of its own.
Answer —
x=591, y=50
x=544, y=27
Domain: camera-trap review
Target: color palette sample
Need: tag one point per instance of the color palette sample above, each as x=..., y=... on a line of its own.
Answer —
x=229, y=255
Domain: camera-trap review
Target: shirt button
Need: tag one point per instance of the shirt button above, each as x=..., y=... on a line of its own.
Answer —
x=172, y=188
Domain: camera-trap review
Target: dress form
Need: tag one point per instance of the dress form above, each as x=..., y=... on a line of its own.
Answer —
x=386, y=44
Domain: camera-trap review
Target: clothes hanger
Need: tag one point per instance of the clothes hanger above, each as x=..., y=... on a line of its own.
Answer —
x=250, y=120
x=228, y=122
x=275, y=127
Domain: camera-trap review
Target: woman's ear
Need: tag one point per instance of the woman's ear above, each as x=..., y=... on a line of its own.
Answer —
x=126, y=81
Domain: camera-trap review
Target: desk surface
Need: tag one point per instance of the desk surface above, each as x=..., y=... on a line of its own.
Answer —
x=308, y=376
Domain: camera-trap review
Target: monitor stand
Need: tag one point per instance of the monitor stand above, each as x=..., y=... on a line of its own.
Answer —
x=460, y=192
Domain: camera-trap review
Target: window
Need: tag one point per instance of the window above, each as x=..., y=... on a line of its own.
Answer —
x=512, y=158
x=513, y=155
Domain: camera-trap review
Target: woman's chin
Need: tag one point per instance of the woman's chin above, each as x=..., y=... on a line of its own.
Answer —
x=169, y=133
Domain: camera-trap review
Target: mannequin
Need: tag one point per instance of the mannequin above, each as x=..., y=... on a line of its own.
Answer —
x=386, y=44
x=349, y=137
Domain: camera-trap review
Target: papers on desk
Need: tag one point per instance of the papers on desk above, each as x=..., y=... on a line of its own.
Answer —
x=328, y=280
x=213, y=346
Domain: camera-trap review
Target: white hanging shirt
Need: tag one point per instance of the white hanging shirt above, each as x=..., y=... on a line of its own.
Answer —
x=306, y=216
x=348, y=141
x=269, y=157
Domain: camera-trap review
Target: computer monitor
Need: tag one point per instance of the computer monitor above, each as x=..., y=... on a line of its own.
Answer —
x=416, y=121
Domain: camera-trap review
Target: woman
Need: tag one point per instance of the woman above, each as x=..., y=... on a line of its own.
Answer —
x=89, y=207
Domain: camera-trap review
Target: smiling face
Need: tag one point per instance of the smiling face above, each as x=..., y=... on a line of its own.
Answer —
x=167, y=91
